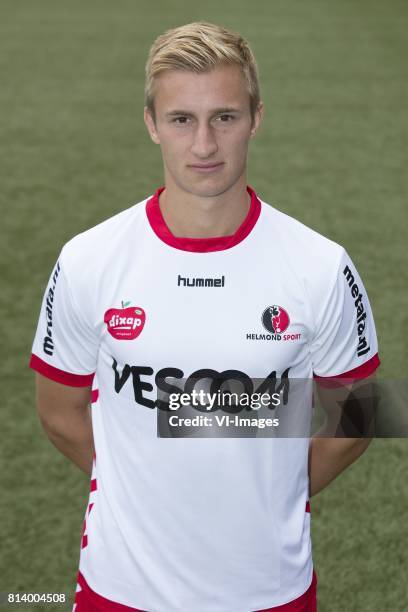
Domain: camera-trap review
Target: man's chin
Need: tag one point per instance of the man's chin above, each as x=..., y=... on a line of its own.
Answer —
x=208, y=188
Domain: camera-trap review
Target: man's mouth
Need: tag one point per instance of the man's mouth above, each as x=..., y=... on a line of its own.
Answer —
x=206, y=167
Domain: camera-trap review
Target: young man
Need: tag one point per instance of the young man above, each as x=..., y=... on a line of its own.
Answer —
x=202, y=280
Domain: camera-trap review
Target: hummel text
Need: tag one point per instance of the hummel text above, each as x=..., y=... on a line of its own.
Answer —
x=200, y=282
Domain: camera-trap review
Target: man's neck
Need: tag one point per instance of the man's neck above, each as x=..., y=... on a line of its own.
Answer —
x=191, y=216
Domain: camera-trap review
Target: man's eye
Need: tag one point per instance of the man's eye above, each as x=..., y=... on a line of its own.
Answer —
x=221, y=118
x=180, y=120
x=228, y=117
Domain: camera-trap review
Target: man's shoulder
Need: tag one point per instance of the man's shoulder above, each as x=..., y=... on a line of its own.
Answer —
x=285, y=224
x=298, y=239
x=101, y=241
x=110, y=227
x=306, y=254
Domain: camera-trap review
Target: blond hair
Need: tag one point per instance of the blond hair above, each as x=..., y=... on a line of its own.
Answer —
x=199, y=47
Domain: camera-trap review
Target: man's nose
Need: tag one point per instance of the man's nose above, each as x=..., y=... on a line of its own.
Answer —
x=204, y=141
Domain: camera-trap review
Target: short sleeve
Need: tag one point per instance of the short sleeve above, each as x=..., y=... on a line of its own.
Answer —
x=65, y=346
x=345, y=339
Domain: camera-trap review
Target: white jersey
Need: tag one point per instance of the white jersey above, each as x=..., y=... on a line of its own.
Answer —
x=216, y=524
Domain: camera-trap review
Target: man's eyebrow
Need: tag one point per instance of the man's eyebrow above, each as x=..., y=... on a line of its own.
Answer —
x=216, y=111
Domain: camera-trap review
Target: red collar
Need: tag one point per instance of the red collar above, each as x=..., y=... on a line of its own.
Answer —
x=201, y=245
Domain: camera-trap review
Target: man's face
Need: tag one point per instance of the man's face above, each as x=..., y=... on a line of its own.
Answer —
x=203, y=119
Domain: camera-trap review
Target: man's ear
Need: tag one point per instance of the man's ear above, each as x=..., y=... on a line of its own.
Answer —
x=257, y=119
x=151, y=127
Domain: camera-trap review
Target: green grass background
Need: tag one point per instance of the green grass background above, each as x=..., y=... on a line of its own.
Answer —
x=331, y=152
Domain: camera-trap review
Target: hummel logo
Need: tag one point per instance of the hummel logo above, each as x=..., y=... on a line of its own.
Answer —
x=200, y=282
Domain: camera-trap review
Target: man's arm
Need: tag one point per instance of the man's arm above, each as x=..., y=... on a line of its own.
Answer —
x=330, y=455
x=65, y=415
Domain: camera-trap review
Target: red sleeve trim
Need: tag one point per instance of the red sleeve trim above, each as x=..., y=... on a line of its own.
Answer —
x=360, y=372
x=60, y=376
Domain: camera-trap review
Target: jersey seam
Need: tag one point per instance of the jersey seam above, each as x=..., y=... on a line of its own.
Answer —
x=76, y=308
x=329, y=292
x=297, y=276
